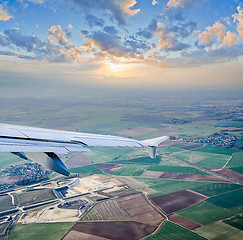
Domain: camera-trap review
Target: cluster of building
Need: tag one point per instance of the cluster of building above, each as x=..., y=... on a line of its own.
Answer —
x=26, y=174
x=221, y=139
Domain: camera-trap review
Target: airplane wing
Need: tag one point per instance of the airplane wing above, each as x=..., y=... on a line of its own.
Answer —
x=43, y=145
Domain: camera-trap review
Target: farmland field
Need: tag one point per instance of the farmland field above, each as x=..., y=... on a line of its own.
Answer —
x=236, y=161
x=211, y=149
x=118, y=230
x=178, y=169
x=87, y=169
x=108, y=210
x=205, y=213
x=219, y=230
x=32, y=197
x=235, y=221
x=237, y=169
x=163, y=186
x=131, y=170
x=213, y=189
x=228, y=200
x=6, y=159
x=139, y=160
x=46, y=231
x=172, y=231
x=5, y=202
x=176, y=201
x=228, y=123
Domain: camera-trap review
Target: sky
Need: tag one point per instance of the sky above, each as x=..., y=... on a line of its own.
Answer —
x=156, y=44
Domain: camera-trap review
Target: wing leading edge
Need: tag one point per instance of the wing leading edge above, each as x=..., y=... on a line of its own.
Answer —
x=43, y=145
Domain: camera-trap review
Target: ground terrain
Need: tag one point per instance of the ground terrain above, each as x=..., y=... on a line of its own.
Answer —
x=192, y=190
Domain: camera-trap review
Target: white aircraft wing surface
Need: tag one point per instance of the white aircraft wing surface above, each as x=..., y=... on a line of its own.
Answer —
x=43, y=145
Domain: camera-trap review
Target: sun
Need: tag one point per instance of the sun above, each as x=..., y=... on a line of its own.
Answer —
x=116, y=67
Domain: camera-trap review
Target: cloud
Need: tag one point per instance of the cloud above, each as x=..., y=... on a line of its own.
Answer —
x=3, y=40
x=117, y=9
x=230, y=39
x=29, y=43
x=36, y=1
x=183, y=29
x=110, y=44
x=148, y=32
x=110, y=29
x=216, y=55
x=41, y=50
x=180, y=3
x=167, y=39
x=68, y=31
x=238, y=18
x=94, y=21
x=8, y=53
x=4, y=16
x=57, y=33
x=154, y=2
x=217, y=32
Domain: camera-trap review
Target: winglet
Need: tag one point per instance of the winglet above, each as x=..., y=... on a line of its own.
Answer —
x=151, y=145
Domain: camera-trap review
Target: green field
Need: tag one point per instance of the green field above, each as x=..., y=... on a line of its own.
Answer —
x=228, y=123
x=195, y=130
x=32, y=197
x=205, y=213
x=203, y=159
x=236, y=221
x=219, y=231
x=211, y=149
x=214, y=189
x=237, y=160
x=163, y=186
x=139, y=160
x=47, y=231
x=237, y=169
x=131, y=170
x=170, y=149
x=172, y=231
x=213, y=160
x=6, y=159
x=108, y=154
x=178, y=169
x=5, y=203
x=87, y=169
x=228, y=200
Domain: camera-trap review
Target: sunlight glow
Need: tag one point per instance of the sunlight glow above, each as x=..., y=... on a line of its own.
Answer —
x=116, y=67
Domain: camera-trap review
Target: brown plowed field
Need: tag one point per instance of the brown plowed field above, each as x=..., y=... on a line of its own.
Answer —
x=176, y=201
x=228, y=173
x=192, y=147
x=151, y=174
x=78, y=160
x=108, y=167
x=193, y=177
x=140, y=209
x=183, y=176
x=116, y=230
x=184, y=222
